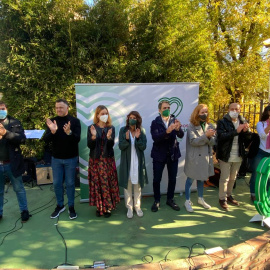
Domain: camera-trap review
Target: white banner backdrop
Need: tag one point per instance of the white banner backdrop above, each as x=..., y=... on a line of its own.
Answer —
x=120, y=99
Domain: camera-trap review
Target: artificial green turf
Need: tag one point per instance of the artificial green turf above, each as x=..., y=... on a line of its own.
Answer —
x=119, y=240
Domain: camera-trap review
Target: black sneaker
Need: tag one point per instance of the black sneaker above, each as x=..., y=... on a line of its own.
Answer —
x=1, y=217
x=155, y=207
x=107, y=214
x=72, y=213
x=24, y=216
x=58, y=210
x=173, y=205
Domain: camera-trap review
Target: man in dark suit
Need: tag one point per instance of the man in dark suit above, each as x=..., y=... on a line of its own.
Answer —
x=164, y=130
x=11, y=159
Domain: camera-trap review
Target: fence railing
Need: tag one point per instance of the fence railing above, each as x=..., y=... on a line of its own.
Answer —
x=252, y=112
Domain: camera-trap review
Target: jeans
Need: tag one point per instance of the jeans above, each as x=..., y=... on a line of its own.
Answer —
x=18, y=187
x=64, y=170
x=254, y=164
x=158, y=167
x=228, y=173
x=188, y=188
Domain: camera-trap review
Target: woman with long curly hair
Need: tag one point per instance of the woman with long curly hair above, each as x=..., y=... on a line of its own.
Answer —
x=132, y=173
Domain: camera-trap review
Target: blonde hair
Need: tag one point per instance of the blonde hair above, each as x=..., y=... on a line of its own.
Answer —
x=194, y=118
x=97, y=111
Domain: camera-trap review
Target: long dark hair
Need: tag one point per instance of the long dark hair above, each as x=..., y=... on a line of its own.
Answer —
x=138, y=117
x=265, y=114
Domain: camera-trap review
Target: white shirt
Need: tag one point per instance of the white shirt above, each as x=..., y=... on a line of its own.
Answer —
x=263, y=137
x=134, y=163
x=234, y=155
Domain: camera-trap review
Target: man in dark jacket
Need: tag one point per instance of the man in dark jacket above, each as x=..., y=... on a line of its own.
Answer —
x=64, y=132
x=164, y=130
x=233, y=137
x=11, y=159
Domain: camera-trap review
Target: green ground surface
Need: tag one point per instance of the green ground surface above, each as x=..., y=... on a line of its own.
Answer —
x=118, y=240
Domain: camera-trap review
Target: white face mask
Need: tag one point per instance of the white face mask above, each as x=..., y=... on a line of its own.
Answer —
x=233, y=114
x=104, y=118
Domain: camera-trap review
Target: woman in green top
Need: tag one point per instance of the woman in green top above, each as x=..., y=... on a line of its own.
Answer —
x=132, y=173
x=199, y=156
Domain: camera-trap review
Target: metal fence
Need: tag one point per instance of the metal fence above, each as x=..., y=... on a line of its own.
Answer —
x=252, y=112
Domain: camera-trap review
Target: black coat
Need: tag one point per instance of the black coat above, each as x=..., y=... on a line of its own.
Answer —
x=225, y=135
x=95, y=145
x=165, y=145
x=14, y=137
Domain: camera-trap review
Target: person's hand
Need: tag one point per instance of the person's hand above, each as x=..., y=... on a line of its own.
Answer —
x=109, y=134
x=3, y=131
x=240, y=128
x=127, y=135
x=93, y=132
x=246, y=127
x=66, y=128
x=137, y=133
x=170, y=128
x=177, y=124
x=52, y=125
x=210, y=132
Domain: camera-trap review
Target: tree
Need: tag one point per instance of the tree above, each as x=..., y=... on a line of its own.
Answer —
x=238, y=30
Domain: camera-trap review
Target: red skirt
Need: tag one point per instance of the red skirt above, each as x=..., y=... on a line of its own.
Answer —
x=103, y=184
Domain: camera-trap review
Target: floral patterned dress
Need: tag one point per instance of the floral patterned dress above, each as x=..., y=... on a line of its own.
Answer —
x=103, y=182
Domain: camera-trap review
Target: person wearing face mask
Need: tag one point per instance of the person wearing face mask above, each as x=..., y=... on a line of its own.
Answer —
x=11, y=159
x=64, y=133
x=165, y=151
x=199, y=155
x=263, y=129
x=132, y=172
x=233, y=136
x=102, y=174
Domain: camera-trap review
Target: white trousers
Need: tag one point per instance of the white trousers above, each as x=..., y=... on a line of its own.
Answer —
x=137, y=196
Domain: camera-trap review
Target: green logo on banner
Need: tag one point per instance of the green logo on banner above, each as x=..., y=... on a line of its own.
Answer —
x=174, y=100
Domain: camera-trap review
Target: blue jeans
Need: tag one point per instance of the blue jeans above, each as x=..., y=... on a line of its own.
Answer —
x=188, y=188
x=18, y=187
x=64, y=170
x=254, y=164
x=158, y=167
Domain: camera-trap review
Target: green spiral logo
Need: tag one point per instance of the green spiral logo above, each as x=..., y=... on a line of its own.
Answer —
x=174, y=100
x=262, y=203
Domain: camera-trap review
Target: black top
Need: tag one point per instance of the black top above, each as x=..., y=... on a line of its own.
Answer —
x=4, y=149
x=64, y=146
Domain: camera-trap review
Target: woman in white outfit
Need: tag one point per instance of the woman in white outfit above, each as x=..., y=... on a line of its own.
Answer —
x=199, y=158
x=132, y=172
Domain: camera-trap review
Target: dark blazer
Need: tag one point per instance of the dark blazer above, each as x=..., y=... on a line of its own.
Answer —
x=94, y=145
x=165, y=145
x=125, y=147
x=225, y=135
x=14, y=137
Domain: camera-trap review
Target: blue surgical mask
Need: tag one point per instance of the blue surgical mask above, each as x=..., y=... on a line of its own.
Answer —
x=3, y=114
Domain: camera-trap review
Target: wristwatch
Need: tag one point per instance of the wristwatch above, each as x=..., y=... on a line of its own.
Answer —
x=70, y=132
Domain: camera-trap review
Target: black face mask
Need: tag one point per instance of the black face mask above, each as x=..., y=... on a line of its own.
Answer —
x=203, y=116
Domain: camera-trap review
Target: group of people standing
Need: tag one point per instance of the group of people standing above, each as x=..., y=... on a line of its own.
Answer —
x=231, y=137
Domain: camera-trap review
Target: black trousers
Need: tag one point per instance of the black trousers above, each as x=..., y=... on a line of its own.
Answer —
x=158, y=167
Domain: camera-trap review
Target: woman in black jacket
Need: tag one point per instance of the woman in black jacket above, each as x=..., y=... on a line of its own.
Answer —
x=102, y=174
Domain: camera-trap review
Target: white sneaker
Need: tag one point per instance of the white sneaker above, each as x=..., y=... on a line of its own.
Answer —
x=130, y=213
x=202, y=202
x=139, y=212
x=188, y=204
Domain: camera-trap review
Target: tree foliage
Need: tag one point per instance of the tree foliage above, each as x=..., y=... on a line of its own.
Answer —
x=48, y=45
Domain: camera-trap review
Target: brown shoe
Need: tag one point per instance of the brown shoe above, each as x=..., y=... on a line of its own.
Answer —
x=253, y=198
x=232, y=201
x=224, y=205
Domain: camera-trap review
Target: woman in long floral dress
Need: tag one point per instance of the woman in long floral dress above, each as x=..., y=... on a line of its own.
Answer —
x=102, y=174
